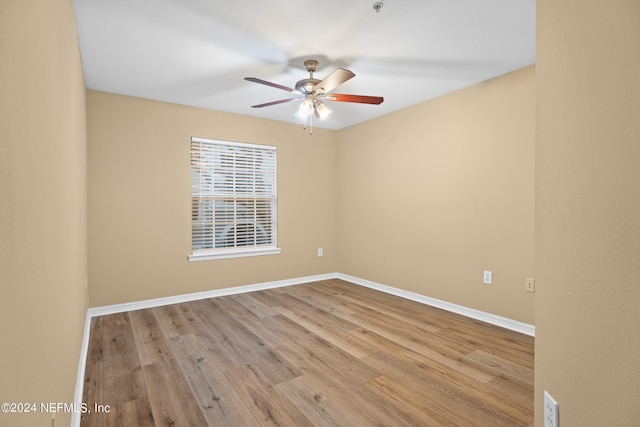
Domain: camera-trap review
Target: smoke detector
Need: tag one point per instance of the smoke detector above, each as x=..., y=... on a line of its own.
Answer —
x=377, y=6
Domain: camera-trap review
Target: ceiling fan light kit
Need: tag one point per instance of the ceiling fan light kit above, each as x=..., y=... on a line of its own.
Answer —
x=313, y=91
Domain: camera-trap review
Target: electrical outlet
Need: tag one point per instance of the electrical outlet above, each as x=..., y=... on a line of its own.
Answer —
x=320, y=252
x=529, y=284
x=551, y=408
x=488, y=277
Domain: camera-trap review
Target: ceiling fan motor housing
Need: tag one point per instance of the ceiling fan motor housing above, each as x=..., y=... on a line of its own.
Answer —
x=305, y=86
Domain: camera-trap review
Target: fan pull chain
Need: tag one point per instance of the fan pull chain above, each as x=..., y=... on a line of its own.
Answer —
x=304, y=125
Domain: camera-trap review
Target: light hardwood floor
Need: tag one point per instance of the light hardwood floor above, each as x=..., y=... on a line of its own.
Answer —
x=327, y=353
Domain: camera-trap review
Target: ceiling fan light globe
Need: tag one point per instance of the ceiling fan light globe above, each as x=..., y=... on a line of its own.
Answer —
x=305, y=110
x=323, y=110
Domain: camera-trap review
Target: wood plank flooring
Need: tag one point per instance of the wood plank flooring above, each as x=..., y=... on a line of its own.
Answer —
x=327, y=353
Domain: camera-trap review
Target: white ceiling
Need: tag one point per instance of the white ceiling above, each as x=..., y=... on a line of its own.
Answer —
x=197, y=52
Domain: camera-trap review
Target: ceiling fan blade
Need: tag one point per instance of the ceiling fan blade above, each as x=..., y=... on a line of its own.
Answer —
x=264, y=82
x=333, y=80
x=282, y=101
x=361, y=99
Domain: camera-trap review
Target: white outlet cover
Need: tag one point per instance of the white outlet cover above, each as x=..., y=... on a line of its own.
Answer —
x=550, y=411
x=488, y=277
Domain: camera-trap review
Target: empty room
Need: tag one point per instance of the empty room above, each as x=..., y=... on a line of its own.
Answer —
x=397, y=213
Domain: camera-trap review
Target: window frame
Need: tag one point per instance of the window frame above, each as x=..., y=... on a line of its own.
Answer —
x=235, y=251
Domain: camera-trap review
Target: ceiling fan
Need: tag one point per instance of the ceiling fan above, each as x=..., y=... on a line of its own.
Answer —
x=314, y=91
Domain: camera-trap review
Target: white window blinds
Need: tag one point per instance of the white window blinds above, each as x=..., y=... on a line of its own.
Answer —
x=233, y=199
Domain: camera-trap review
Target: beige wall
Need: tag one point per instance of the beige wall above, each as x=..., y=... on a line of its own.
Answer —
x=139, y=203
x=464, y=193
x=588, y=211
x=433, y=195
x=43, y=261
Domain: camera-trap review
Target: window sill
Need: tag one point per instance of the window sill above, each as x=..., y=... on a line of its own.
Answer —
x=234, y=253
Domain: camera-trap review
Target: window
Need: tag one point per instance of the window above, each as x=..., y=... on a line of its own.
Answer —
x=233, y=199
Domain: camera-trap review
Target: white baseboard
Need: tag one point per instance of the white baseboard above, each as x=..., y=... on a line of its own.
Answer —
x=514, y=325
x=84, y=349
x=157, y=302
x=504, y=322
